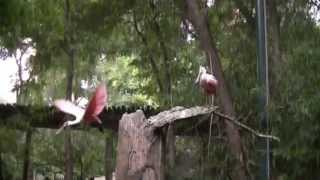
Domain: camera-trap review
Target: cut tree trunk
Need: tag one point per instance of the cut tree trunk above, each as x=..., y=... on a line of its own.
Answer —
x=199, y=20
x=141, y=142
x=139, y=150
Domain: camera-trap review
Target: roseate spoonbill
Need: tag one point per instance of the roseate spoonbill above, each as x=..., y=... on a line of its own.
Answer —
x=90, y=114
x=207, y=81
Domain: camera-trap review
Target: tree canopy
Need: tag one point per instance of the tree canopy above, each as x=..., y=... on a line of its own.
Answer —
x=148, y=53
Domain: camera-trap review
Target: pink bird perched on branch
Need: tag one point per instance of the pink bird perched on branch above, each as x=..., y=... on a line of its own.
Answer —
x=90, y=114
x=207, y=81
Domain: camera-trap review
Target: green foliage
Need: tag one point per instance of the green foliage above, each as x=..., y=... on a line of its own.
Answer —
x=116, y=42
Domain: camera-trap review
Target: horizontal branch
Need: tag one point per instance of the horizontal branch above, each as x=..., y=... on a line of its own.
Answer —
x=47, y=117
x=178, y=113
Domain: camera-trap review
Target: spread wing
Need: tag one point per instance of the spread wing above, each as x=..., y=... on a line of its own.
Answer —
x=69, y=108
x=96, y=104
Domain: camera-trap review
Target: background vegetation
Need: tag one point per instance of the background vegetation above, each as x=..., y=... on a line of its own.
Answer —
x=148, y=54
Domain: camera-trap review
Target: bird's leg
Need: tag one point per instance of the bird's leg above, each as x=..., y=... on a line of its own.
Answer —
x=97, y=119
x=100, y=126
x=62, y=127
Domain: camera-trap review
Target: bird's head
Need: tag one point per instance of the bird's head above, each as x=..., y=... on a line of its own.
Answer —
x=202, y=70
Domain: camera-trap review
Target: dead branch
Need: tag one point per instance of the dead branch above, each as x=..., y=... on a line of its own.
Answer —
x=249, y=129
x=179, y=113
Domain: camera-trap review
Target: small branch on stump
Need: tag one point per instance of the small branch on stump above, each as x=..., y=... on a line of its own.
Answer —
x=249, y=129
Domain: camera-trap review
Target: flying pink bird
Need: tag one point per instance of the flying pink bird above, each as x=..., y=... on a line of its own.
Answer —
x=90, y=114
x=207, y=81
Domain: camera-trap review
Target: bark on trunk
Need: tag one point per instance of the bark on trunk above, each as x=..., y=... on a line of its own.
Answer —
x=139, y=150
x=276, y=62
x=70, y=73
x=141, y=142
x=198, y=18
x=68, y=141
x=274, y=47
x=26, y=163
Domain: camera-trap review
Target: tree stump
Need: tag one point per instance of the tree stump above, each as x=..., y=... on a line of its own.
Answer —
x=141, y=142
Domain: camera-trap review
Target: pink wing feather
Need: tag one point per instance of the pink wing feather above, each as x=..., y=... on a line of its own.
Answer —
x=209, y=83
x=96, y=104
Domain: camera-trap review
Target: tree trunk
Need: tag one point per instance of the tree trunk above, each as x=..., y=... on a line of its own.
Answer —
x=108, y=157
x=70, y=73
x=198, y=18
x=276, y=63
x=141, y=142
x=26, y=163
x=67, y=137
x=274, y=47
x=140, y=151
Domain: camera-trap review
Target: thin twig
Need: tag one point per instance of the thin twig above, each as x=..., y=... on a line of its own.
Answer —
x=246, y=127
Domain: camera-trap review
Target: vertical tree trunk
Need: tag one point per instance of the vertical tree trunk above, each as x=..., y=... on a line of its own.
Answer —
x=70, y=73
x=68, y=141
x=274, y=46
x=108, y=156
x=26, y=163
x=276, y=64
x=198, y=18
x=140, y=150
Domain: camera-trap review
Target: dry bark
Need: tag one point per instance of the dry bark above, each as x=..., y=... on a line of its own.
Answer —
x=141, y=142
